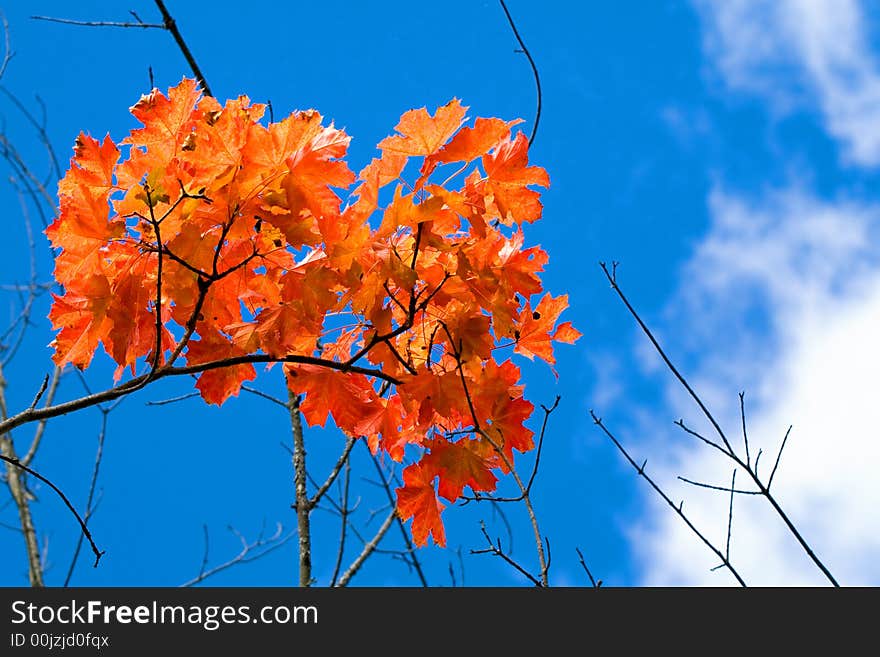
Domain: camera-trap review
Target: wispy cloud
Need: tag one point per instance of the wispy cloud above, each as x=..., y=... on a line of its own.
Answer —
x=781, y=299
x=802, y=52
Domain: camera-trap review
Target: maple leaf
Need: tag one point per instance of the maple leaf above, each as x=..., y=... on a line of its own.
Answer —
x=167, y=120
x=458, y=464
x=536, y=333
x=470, y=143
x=81, y=315
x=508, y=177
x=313, y=170
x=347, y=396
x=417, y=500
x=423, y=134
x=219, y=384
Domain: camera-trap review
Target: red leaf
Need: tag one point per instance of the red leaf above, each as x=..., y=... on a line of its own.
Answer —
x=508, y=177
x=459, y=465
x=418, y=501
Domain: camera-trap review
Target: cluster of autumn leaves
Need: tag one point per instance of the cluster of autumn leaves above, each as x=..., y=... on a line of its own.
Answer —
x=213, y=242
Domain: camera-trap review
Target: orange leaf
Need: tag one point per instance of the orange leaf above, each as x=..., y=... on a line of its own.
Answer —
x=535, y=329
x=508, y=177
x=423, y=134
x=458, y=466
x=418, y=501
x=219, y=384
x=470, y=143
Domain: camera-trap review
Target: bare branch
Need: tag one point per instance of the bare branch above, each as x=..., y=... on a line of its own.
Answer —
x=85, y=530
x=302, y=506
x=596, y=584
x=612, y=278
x=730, y=513
x=727, y=450
x=89, y=509
x=171, y=26
x=70, y=21
x=41, y=426
x=528, y=55
x=345, y=511
x=8, y=53
x=742, y=413
x=369, y=548
x=778, y=456
x=725, y=489
x=342, y=460
x=249, y=552
x=678, y=509
x=496, y=550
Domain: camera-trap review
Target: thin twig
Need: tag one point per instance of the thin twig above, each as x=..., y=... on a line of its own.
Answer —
x=41, y=426
x=171, y=26
x=612, y=278
x=496, y=550
x=725, y=489
x=249, y=552
x=343, y=524
x=742, y=413
x=778, y=456
x=92, y=484
x=728, y=450
x=640, y=470
x=70, y=21
x=547, y=412
x=730, y=513
x=260, y=393
x=369, y=548
x=595, y=584
x=528, y=55
x=173, y=400
x=342, y=460
x=85, y=530
x=8, y=53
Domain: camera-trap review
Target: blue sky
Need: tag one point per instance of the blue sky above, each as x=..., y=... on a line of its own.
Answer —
x=725, y=153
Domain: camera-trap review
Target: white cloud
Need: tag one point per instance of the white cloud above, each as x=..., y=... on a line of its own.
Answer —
x=782, y=299
x=802, y=51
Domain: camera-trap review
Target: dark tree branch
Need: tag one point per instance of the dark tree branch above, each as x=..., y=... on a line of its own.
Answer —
x=496, y=550
x=728, y=450
x=8, y=53
x=93, y=483
x=612, y=278
x=334, y=473
x=596, y=584
x=343, y=525
x=778, y=456
x=730, y=514
x=85, y=530
x=33, y=415
x=742, y=414
x=171, y=26
x=168, y=23
x=528, y=55
x=725, y=489
x=640, y=470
